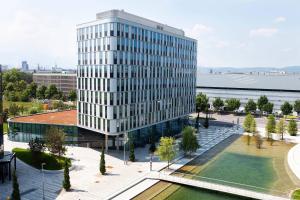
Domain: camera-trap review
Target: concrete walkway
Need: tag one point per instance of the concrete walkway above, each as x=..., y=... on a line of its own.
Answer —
x=30, y=179
x=294, y=160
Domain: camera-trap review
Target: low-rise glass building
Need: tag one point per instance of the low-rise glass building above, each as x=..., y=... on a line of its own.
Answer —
x=24, y=128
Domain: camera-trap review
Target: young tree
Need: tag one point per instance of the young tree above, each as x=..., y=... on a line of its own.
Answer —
x=55, y=139
x=286, y=108
x=16, y=192
x=66, y=181
x=189, y=142
x=131, y=152
x=72, y=96
x=13, y=109
x=41, y=92
x=36, y=146
x=201, y=104
x=166, y=149
x=206, y=121
x=258, y=141
x=253, y=126
x=268, y=107
x=292, y=128
x=233, y=104
x=247, y=123
x=218, y=103
x=280, y=127
x=270, y=126
x=297, y=106
x=102, y=163
x=263, y=100
x=250, y=106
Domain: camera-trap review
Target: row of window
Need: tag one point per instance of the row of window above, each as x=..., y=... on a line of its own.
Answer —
x=117, y=57
x=134, y=33
x=125, y=71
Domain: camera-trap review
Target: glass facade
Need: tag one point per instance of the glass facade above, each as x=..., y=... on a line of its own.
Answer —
x=23, y=132
x=131, y=76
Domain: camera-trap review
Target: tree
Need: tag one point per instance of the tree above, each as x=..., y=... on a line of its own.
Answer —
x=261, y=102
x=247, y=123
x=268, y=107
x=280, y=127
x=292, y=128
x=55, y=138
x=131, y=152
x=258, y=141
x=232, y=104
x=13, y=109
x=72, y=96
x=25, y=96
x=201, y=104
x=16, y=192
x=32, y=89
x=270, y=126
x=206, y=121
x=253, y=126
x=51, y=91
x=250, y=106
x=286, y=108
x=66, y=181
x=189, y=142
x=166, y=149
x=41, y=92
x=297, y=106
x=102, y=163
x=218, y=103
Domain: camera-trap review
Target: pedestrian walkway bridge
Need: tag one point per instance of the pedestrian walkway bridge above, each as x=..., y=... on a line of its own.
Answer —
x=214, y=186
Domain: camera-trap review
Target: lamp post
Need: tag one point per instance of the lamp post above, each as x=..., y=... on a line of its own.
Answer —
x=43, y=180
x=124, y=143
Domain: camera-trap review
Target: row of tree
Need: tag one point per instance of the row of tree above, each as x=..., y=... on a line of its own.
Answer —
x=232, y=104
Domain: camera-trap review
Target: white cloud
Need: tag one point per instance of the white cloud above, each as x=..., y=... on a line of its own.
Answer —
x=263, y=32
x=198, y=29
x=279, y=19
x=222, y=44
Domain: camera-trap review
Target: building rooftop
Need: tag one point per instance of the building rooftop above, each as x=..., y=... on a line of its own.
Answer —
x=68, y=117
x=249, y=81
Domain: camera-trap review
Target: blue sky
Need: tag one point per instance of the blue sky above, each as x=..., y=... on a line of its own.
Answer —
x=236, y=33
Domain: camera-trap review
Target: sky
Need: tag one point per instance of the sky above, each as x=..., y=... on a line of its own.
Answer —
x=230, y=33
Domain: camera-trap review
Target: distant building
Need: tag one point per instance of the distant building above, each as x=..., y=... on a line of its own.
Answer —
x=278, y=88
x=25, y=66
x=63, y=81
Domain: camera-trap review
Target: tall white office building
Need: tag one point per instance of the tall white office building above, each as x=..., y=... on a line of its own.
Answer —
x=133, y=73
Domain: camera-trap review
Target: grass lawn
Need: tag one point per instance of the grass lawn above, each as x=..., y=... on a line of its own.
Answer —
x=296, y=195
x=243, y=169
x=53, y=162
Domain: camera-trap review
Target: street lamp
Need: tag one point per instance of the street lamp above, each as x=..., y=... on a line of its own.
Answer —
x=43, y=180
x=124, y=143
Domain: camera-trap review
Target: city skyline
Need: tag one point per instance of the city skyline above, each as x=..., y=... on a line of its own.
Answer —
x=245, y=33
